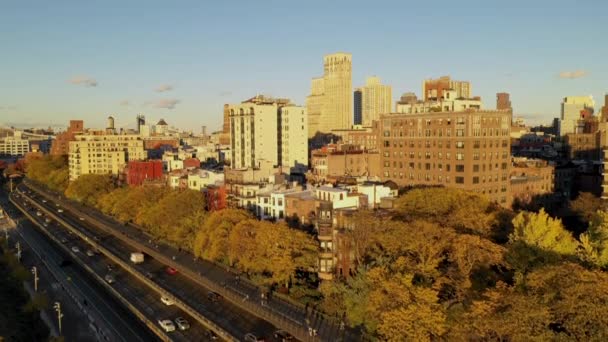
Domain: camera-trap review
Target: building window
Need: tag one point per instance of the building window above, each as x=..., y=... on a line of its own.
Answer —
x=459, y=156
x=459, y=168
x=459, y=180
x=475, y=180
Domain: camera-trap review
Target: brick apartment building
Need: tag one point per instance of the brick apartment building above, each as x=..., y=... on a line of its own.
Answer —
x=139, y=172
x=333, y=161
x=467, y=150
x=61, y=144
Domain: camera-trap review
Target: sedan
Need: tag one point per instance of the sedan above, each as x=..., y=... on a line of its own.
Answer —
x=59, y=210
x=90, y=253
x=167, y=325
x=252, y=338
x=213, y=296
x=109, y=278
x=38, y=213
x=182, y=323
x=166, y=300
x=171, y=271
x=75, y=249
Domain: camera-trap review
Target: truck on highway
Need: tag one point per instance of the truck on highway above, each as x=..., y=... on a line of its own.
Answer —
x=137, y=257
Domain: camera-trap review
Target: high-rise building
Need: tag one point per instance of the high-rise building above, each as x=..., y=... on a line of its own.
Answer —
x=268, y=129
x=103, y=154
x=358, y=106
x=314, y=106
x=377, y=100
x=331, y=101
x=433, y=89
x=140, y=120
x=467, y=150
x=503, y=101
x=572, y=107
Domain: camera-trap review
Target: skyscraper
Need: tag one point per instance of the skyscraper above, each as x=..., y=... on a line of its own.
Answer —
x=503, y=101
x=433, y=89
x=358, y=106
x=331, y=99
x=604, y=116
x=571, y=112
x=377, y=100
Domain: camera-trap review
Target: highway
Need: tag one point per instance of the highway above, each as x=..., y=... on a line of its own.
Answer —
x=96, y=308
x=145, y=300
x=224, y=314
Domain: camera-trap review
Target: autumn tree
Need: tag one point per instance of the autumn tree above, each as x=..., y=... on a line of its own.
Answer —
x=594, y=242
x=51, y=171
x=211, y=241
x=89, y=188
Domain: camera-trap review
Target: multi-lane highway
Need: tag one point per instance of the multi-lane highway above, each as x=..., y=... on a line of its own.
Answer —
x=145, y=301
x=189, y=294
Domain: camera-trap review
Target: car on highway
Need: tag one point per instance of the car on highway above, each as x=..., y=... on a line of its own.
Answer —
x=166, y=300
x=38, y=213
x=110, y=267
x=47, y=220
x=43, y=201
x=109, y=278
x=75, y=249
x=182, y=323
x=90, y=252
x=149, y=275
x=282, y=336
x=59, y=210
x=211, y=336
x=167, y=325
x=249, y=337
x=81, y=218
x=171, y=271
x=213, y=296
x=63, y=240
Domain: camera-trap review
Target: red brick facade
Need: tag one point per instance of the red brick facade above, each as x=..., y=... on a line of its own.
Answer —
x=140, y=171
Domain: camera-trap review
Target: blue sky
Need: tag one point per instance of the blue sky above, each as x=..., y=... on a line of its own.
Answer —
x=84, y=59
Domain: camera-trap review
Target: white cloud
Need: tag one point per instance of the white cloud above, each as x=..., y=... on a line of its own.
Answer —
x=163, y=88
x=573, y=74
x=166, y=103
x=83, y=80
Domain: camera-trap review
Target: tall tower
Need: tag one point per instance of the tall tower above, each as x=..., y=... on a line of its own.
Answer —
x=377, y=100
x=314, y=105
x=337, y=111
x=358, y=106
x=140, y=121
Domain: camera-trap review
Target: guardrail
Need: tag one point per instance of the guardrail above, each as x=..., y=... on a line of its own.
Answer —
x=88, y=269
x=136, y=273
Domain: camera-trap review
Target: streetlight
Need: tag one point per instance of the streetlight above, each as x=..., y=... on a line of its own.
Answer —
x=57, y=307
x=35, y=273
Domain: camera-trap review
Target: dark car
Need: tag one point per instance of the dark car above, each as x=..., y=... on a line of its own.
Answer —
x=213, y=296
x=283, y=336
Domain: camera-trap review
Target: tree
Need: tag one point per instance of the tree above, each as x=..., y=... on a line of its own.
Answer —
x=594, y=242
x=464, y=211
x=585, y=206
x=89, y=188
x=211, y=241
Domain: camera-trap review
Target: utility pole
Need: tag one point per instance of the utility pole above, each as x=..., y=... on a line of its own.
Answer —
x=57, y=307
x=35, y=273
x=18, y=246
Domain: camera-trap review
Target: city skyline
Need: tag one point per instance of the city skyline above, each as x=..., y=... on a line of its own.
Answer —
x=183, y=63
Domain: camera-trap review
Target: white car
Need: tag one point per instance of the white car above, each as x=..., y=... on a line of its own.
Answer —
x=59, y=210
x=38, y=213
x=43, y=201
x=167, y=325
x=166, y=300
x=81, y=218
x=75, y=249
x=182, y=323
x=109, y=278
x=90, y=253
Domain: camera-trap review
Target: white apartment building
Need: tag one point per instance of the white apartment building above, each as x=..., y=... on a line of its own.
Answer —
x=273, y=130
x=339, y=197
x=293, y=143
x=571, y=112
x=14, y=146
x=376, y=99
x=270, y=204
x=103, y=154
x=253, y=134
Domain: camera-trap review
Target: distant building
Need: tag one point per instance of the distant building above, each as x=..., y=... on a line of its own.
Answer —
x=161, y=128
x=293, y=138
x=103, y=154
x=199, y=179
x=503, y=101
x=61, y=144
x=358, y=106
x=333, y=161
x=466, y=150
x=434, y=89
x=363, y=137
x=331, y=99
x=449, y=101
x=14, y=146
x=530, y=179
x=139, y=172
x=224, y=138
x=215, y=197
x=571, y=109
x=377, y=99
x=604, y=113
